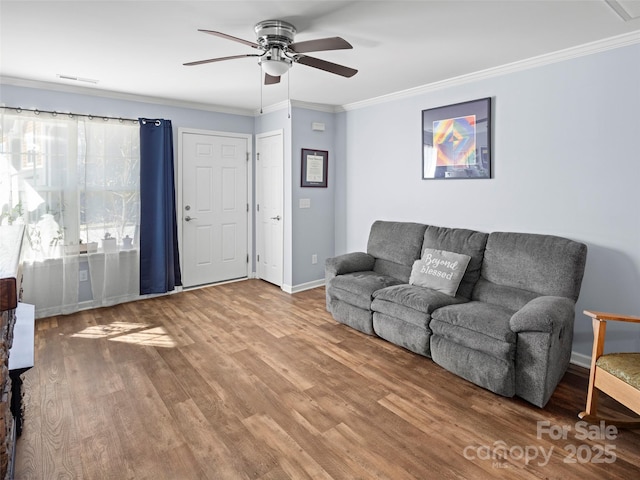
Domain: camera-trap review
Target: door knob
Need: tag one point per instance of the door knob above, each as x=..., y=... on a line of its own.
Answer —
x=277, y=217
x=188, y=218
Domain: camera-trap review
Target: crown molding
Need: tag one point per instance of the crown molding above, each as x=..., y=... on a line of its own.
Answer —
x=97, y=92
x=533, y=62
x=319, y=107
x=270, y=108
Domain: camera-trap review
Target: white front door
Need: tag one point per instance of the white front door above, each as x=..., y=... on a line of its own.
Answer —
x=269, y=206
x=214, y=208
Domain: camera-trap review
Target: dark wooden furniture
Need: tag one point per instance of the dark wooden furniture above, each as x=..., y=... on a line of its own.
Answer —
x=11, y=238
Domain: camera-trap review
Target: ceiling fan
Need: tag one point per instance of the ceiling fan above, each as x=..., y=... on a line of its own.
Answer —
x=278, y=50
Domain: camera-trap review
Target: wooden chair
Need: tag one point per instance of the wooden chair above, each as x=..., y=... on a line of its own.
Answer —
x=616, y=374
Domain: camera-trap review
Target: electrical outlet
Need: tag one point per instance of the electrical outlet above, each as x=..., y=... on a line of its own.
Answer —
x=314, y=259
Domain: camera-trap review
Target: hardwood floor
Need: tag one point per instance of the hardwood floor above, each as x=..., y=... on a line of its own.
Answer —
x=244, y=381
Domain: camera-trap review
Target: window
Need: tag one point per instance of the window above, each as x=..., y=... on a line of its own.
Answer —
x=73, y=182
x=70, y=180
x=109, y=174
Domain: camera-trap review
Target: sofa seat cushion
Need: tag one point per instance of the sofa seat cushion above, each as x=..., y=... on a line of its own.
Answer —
x=487, y=371
x=357, y=288
x=479, y=326
x=359, y=318
x=405, y=334
x=625, y=366
x=411, y=303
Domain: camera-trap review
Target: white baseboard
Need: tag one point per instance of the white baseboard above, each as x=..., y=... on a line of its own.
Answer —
x=303, y=286
x=205, y=285
x=581, y=359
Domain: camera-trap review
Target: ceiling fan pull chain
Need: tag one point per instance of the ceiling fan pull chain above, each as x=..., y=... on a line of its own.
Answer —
x=289, y=94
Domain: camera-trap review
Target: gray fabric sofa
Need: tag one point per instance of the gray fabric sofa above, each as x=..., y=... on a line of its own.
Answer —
x=508, y=327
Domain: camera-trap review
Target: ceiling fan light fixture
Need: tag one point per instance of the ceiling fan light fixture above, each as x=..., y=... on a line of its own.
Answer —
x=274, y=39
x=275, y=68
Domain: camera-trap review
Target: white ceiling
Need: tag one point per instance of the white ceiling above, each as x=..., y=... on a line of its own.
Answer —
x=138, y=47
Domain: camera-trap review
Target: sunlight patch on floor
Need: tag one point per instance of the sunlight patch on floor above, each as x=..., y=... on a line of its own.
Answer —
x=153, y=337
x=134, y=333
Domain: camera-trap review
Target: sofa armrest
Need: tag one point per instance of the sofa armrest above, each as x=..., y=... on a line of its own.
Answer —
x=543, y=314
x=349, y=263
x=545, y=333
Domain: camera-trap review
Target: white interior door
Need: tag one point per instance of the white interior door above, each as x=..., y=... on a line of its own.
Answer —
x=214, y=208
x=269, y=207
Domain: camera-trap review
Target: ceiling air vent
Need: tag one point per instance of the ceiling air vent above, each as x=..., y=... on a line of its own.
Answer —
x=73, y=78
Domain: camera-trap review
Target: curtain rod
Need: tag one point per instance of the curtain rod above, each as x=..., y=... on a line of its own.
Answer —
x=70, y=115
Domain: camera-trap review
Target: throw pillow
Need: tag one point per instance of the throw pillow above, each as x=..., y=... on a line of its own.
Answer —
x=439, y=270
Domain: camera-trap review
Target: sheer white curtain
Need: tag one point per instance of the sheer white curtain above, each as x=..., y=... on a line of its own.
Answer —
x=75, y=182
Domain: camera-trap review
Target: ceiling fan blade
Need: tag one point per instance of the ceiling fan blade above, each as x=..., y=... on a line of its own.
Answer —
x=211, y=60
x=230, y=37
x=331, y=43
x=270, y=79
x=326, y=66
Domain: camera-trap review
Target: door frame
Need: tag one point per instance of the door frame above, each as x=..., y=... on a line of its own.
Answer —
x=270, y=133
x=179, y=178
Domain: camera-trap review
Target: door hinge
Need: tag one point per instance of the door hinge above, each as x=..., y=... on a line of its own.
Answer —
x=258, y=156
x=258, y=207
x=258, y=258
x=247, y=207
x=247, y=156
x=247, y=258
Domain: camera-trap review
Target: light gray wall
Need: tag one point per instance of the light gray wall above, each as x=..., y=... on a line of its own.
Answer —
x=565, y=162
x=338, y=177
x=314, y=227
x=63, y=102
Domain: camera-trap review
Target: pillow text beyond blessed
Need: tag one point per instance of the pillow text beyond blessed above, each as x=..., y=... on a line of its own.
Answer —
x=439, y=270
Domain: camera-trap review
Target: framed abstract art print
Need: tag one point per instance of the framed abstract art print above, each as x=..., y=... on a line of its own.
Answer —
x=456, y=141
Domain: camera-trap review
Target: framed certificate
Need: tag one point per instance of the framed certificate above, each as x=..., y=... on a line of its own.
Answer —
x=314, y=168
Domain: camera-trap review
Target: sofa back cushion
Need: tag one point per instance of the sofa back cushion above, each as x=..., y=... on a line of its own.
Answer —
x=459, y=240
x=395, y=246
x=537, y=264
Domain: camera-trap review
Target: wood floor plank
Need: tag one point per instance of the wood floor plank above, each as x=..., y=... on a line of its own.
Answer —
x=292, y=458
x=58, y=439
x=206, y=445
x=245, y=381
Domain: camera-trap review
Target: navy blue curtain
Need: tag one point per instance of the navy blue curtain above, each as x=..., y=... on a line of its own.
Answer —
x=159, y=262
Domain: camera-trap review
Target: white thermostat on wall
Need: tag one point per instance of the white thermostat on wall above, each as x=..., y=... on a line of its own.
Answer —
x=317, y=126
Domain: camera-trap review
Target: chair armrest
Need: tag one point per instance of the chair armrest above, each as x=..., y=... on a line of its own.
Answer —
x=603, y=316
x=349, y=263
x=543, y=314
